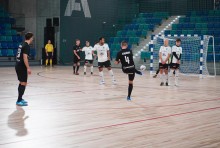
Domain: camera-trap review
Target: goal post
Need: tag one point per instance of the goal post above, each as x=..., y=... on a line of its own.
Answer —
x=194, y=56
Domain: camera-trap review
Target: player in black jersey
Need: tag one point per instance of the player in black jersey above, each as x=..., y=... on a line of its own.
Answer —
x=22, y=67
x=76, y=57
x=125, y=56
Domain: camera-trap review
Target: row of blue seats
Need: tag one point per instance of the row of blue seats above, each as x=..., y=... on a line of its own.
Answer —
x=13, y=52
x=7, y=20
x=210, y=57
x=8, y=32
x=202, y=19
x=138, y=26
x=5, y=26
x=11, y=38
x=120, y=39
x=193, y=25
x=198, y=32
x=7, y=45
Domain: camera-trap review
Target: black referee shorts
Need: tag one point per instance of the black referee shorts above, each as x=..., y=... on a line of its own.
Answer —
x=50, y=55
x=104, y=64
x=130, y=72
x=21, y=74
x=174, y=66
x=163, y=66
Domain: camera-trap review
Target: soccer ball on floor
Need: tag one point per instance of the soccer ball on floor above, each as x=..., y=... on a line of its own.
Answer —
x=142, y=67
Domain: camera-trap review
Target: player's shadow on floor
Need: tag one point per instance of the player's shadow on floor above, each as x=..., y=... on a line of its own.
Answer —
x=16, y=121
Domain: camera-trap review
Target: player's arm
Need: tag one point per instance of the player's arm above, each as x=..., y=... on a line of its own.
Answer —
x=25, y=57
x=108, y=52
x=74, y=52
x=168, y=57
x=117, y=60
x=160, y=55
x=52, y=50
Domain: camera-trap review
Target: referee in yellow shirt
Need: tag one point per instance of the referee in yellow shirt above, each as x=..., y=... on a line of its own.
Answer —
x=49, y=52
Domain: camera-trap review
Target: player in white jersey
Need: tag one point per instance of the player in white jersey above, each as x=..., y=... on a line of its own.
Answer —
x=103, y=54
x=175, y=60
x=89, y=53
x=164, y=55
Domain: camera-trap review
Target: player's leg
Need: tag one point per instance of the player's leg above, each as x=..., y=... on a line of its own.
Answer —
x=166, y=74
x=130, y=85
x=157, y=72
x=46, y=63
x=101, y=75
x=107, y=64
x=85, y=66
x=77, y=68
x=138, y=72
x=177, y=75
x=161, y=74
x=51, y=59
x=91, y=67
x=74, y=68
x=22, y=77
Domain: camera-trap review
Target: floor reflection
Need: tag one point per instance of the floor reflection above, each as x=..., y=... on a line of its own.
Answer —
x=16, y=121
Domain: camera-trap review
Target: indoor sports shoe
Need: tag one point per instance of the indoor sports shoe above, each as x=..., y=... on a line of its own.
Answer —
x=102, y=82
x=167, y=84
x=84, y=73
x=129, y=98
x=154, y=76
x=21, y=104
x=161, y=84
x=77, y=73
x=139, y=73
x=24, y=101
x=113, y=82
x=91, y=73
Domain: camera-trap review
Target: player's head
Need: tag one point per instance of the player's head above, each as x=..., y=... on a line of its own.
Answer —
x=49, y=41
x=178, y=42
x=124, y=45
x=29, y=37
x=101, y=40
x=87, y=43
x=166, y=42
x=77, y=42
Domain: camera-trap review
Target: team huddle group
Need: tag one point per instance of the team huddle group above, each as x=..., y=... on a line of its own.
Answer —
x=124, y=56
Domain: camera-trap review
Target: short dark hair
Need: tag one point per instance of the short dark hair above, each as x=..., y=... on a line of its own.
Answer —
x=178, y=40
x=101, y=38
x=77, y=40
x=124, y=43
x=28, y=35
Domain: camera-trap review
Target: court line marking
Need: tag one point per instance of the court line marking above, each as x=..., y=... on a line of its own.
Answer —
x=120, y=124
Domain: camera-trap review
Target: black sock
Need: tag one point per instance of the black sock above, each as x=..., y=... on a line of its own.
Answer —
x=138, y=72
x=157, y=71
x=21, y=89
x=74, y=68
x=77, y=68
x=130, y=87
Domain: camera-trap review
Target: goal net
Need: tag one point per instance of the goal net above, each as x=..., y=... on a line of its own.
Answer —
x=194, y=56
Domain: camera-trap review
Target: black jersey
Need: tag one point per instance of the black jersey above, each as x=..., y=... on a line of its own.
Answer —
x=23, y=49
x=125, y=56
x=77, y=49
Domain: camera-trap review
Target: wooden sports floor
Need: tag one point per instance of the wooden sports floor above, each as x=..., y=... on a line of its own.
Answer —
x=68, y=111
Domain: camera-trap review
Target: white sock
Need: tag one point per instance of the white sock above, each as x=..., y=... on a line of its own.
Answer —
x=176, y=76
x=84, y=68
x=166, y=78
x=101, y=76
x=171, y=76
x=111, y=74
x=91, y=68
x=161, y=77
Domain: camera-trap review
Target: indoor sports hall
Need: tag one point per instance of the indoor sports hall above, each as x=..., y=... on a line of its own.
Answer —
x=110, y=74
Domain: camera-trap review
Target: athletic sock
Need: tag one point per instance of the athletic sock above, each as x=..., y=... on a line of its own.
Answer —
x=21, y=89
x=51, y=62
x=92, y=69
x=74, y=68
x=46, y=62
x=77, y=68
x=85, y=68
x=112, y=75
x=101, y=76
x=130, y=88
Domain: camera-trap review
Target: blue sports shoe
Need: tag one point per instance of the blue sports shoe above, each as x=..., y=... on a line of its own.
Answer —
x=129, y=98
x=24, y=101
x=21, y=104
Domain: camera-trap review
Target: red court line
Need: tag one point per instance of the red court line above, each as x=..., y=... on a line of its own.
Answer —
x=149, y=119
x=120, y=124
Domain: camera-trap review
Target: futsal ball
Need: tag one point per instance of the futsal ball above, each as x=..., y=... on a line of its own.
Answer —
x=142, y=67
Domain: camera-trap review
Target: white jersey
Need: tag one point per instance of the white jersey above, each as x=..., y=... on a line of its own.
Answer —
x=178, y=51
x=88, y=52
x=165, y=51
x=102, y=52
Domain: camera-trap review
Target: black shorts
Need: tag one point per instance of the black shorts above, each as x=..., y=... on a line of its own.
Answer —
x=174, y=66
x=104, y=64
x=163, y=66
x=21, y=74
x=50, y=55
x=88, y=62
x=130, y=72
x=76, y=60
